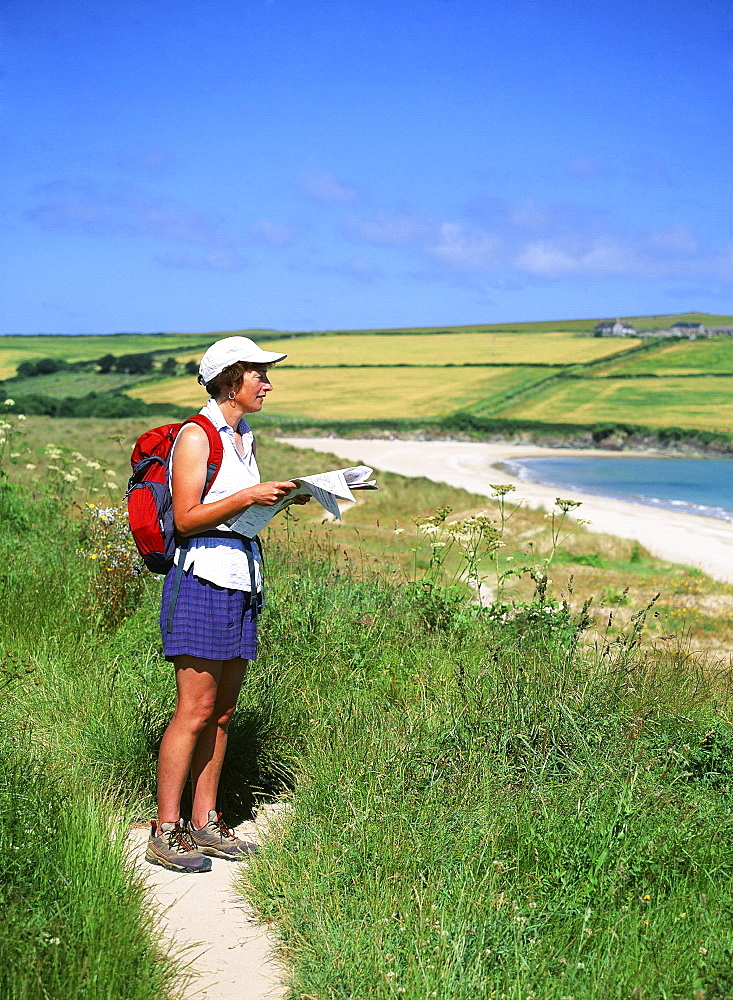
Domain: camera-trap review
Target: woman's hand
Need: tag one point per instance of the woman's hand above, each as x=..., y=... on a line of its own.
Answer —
x=267, y=493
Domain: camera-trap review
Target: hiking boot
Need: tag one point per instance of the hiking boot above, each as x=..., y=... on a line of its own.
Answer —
x=171, y=847
x=216, y=839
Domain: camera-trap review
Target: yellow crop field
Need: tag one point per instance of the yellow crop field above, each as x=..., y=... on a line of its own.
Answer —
x=366, y=392
x=448, y=348
x=659, y=402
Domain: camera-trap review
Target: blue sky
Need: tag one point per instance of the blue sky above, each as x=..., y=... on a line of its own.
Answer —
x=314, y=164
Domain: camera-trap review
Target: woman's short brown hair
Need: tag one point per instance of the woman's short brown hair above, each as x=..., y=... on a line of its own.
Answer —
x=230, y=378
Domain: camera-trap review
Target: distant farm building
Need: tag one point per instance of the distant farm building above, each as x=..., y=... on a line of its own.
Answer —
x=617, y=329
x=689, y=331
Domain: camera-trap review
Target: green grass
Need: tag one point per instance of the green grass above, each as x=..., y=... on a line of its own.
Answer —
x=705, y=403
x=479, y=803
x=482, y=809
x=76, y=921
x=74, y=383
x=701, y=357
x=13, y=350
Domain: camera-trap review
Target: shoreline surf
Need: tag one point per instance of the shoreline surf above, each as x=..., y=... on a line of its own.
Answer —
x=711, y=479
x=690, y=539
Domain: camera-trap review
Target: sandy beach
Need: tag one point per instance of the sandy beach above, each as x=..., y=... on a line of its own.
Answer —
x=703, y=542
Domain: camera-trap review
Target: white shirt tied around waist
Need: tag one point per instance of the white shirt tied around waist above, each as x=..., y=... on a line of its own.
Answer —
x=220, y=560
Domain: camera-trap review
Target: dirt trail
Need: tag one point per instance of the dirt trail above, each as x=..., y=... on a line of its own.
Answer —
x=232, y=954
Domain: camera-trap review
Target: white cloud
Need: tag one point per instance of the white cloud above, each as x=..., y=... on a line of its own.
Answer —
x=326, y=188
x=223, y=260
x=550, y=260
x=273, y=234
x=674, y=239
x=465, y=249
x=85, y=209
x=397, y=230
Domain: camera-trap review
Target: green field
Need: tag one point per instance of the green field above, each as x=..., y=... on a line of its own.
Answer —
x=699, y=357
x=705, y=403
x=13, y=350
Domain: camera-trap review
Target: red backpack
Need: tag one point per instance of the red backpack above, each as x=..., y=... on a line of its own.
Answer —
x=149, y=502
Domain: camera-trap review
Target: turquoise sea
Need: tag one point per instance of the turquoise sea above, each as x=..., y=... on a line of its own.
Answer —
x=696, y=485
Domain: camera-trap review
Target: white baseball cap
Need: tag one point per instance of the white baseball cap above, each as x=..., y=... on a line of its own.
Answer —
x=225, y=352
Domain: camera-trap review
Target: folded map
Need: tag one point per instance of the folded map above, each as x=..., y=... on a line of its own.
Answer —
x=326, y=487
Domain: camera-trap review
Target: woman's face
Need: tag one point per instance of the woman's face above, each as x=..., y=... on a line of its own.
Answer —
x=255, y=386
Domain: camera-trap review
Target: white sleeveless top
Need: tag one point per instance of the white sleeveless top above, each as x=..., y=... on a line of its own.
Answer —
x=220, y=560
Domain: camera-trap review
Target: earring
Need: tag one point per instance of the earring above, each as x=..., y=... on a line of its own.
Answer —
x=231, y=395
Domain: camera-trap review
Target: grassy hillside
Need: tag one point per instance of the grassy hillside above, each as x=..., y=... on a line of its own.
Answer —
x=479, y=801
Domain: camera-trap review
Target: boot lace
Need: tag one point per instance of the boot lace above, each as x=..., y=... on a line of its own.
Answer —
x=179, y=841
x=224, y=832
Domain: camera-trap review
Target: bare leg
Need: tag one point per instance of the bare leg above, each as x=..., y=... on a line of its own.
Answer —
x=208, y=754
x=197, y=682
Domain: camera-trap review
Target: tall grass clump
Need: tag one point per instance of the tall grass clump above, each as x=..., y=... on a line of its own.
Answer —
x=76, y=923
x=75, y=761
x=502, y=804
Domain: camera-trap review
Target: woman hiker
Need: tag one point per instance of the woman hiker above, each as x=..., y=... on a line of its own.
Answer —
x=212, y=632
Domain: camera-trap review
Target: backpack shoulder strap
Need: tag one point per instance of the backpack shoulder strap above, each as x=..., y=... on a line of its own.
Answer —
x=216, y=448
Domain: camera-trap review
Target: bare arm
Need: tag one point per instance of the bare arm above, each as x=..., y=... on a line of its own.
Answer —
x=189, y=477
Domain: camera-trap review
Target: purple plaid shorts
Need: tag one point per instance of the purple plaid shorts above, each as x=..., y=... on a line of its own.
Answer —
x=209, y=621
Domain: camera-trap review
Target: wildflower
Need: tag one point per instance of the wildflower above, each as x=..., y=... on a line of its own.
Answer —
x=111, y=486
x=9, y=402
x=69, y=477
x=15, y=454
x=29, y=466
x=5, y=426
x=566, y=505
x=2, y=440
x=703, y=951
x=21, y=416
x=93, y=465
x=502, y=489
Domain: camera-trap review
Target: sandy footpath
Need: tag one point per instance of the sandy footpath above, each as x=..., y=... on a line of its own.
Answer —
x=703, y=542
x=230, y=952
